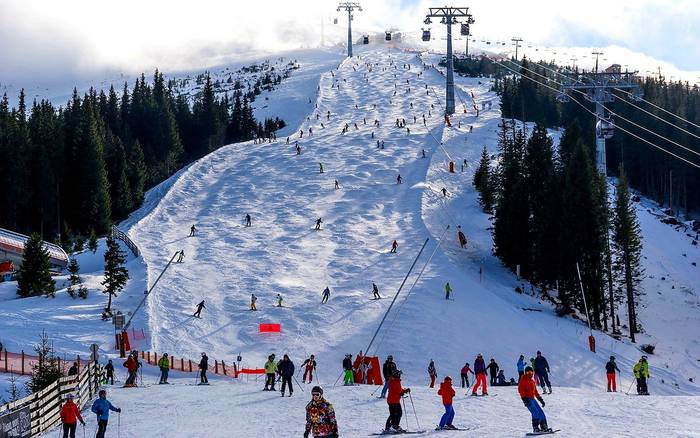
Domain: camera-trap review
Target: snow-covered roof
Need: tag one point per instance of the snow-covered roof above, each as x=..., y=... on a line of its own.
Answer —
x=13, y=243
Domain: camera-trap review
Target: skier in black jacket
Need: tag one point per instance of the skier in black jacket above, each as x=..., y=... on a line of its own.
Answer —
x=203, y=365
x=200, y=306
x=109, y=369
x=286, y=370
x=493, y=371
x=542, y=370
x=610, y=369
x=387, y=371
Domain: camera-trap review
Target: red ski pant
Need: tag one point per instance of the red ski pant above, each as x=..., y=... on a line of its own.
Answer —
x=310, y=372
x=432, y=380
x=480, y=380
x=611, y=382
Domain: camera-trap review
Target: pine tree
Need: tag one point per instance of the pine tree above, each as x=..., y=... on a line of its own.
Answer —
x=34, y=277
x=92, y=241
x=116, y=275
x=483, y=182
x=627, y=246
x=46, y=370
x=74, y=279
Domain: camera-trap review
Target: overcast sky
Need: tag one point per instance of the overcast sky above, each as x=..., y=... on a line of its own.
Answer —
x=53, y=41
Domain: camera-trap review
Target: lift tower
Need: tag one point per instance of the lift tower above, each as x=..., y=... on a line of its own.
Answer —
x=349, y=7
x=448, y=16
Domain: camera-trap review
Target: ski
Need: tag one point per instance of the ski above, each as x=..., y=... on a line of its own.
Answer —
x=542, y=433
x=391, y=432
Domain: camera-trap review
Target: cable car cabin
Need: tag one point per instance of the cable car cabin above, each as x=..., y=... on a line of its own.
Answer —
x=388, y=36
x=335, y=21
x=12, y=250
x=604, y=128
x=426, y=35
x=488, y=42
x=464, y=29
x=365, y=39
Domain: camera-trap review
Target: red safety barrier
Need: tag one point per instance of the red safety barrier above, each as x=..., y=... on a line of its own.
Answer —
x=249, y=371
x=125, y=339
x=269, y=328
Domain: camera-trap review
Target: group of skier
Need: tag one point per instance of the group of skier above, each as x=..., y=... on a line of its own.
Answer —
x=283, y=371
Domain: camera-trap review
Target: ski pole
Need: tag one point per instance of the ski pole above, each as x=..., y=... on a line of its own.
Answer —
x=630, y=388
x=410, y=397
x=300, y=387
x=403, y=400
x=119, y=424
x=336, y=380
x=83, y=431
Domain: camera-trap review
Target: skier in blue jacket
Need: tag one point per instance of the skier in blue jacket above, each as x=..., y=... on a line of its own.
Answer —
x=521, y=367
x=101, y=407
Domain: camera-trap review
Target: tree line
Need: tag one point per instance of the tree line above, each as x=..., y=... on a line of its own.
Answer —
x=553, y=222
x=71, y=171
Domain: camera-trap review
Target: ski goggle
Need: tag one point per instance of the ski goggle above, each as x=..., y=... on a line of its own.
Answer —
x=315, y=394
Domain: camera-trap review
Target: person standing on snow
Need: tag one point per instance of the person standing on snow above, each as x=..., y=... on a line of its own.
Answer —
x=348, y=378
x=527, y=388
x=448, y=290
x=542, y=370
x=279, y=300
x=270, y=371
x=70, y=415
x=247, y=219
x=641, y=373
x=203, y=366
x=253, y=300
x=320, y=167
x=394, y=402
x=464, y=373
x=610, y=369
x=286, y=370
x=493, y=371
x=181, y=257
x=447, y=392
x=480, y=373
x=462, y=238
x=398, y=179
x=320, y=416
x=193, y=229
x=375, y=291
x=131, y=365
x=521, y=367
x=309, y=368
x=198, y=312
x=101, y=407
x=109, y=369
x=318, y=223
x=164, y=365
x=387, y=371
x=394, y=246
x=432, y=373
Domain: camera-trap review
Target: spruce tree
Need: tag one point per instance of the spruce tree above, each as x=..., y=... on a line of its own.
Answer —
x=46, y=370
x=92, y=241
x=482, y=182
x=116, y=275
x=74, y=279
x=34, y=277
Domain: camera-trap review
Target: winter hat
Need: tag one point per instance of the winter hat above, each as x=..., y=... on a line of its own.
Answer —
x=102, y=392
x=612, y=357
x=528, y=369
x=70, y=396
x=317, y=389
x=448, y=379
x=539, y=352
x=390, y=357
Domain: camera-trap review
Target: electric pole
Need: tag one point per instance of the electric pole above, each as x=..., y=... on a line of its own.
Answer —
x=349, y=7
x=517, y=42
x=448, y=16
x=597, y=54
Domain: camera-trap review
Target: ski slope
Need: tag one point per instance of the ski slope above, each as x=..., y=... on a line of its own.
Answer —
x=282, y=253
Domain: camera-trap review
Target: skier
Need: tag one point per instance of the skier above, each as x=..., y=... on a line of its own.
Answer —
x=164, y=365
x=464, y=373
x=73, y=370
x=396, y=392
x=542, y=370
x=480, y=374
x=253, y=300
x=375, y=291
x=493, y=371
x=270, y=370
x=348, y=379
x=444, y=192
x=326, y=295
x=192, y=230
x=298, y=148
x=320, y=167
x=432, y=372
x=182, y=256
x=109, y=368
x=388, y=371
x=101, y=407
x=394, y=246
x=398, y=179
x=320, y=416
x=131, y=365
x=203, y=366
x=448, y=290
x=70, y=415
x=247, y=220
x=521, y=367
x=527, y=388
x=447, y=392
x=464, y=164
x=309, y=368
x=641, y=373
x=279, y=300
x=336, y=185
x=610, y=369
x=423, y=153
x=286, y=370
x=200, y=306
x=462, y=238
x=318, y=223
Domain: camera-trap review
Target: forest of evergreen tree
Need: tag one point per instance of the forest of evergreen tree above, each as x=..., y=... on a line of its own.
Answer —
x=74, y=170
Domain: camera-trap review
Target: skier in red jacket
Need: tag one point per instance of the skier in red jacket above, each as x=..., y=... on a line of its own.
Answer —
x=447, y=392
x=70, y=415
x=394, y=402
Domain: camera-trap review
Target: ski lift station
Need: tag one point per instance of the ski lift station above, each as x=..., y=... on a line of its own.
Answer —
x=12, y=250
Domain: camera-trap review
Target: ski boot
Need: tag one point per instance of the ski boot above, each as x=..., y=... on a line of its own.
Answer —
x=451, y=427
x=544, y=427
x=536, y=426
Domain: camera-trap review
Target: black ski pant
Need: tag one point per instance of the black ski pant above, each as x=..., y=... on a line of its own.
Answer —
x=270, y=382
x=101, y=428
x=520, y=375
x=465, y=380
x=492, y=380
x=131, y=380
x=395, y=414
x=287, y=380
x=642, y=385
x=110, y=378
x=69, y=429
x=544, y=379
x=203, y=376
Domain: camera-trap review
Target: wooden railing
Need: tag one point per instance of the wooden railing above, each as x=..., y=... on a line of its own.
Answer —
x=119, y=234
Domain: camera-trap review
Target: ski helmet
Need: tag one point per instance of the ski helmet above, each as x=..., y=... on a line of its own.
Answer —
x=203, y=354
x=317, y=389
x=70, y=396
x=397, y=373
x=390, y=357
x=612, y=357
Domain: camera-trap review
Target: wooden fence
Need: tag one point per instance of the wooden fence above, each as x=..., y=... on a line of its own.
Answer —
x=218, y=367
x=45, y=405
x=119, y=234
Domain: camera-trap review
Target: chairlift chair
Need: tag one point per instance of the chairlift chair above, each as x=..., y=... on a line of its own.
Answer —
x=464, y=29
x=365, y=39
x=604, y=128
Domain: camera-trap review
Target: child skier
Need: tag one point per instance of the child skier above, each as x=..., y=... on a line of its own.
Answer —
x=464, y=373
x=528, y=393
x=309, y=368
x=447, y=392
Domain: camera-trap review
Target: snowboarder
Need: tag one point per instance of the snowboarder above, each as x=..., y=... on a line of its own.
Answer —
x=348, y=378
x=320, y=416
x=70, y=415
x=253, y=300
x=521, y=367
x=375, y=291
x=73, y=370
x=398, y=179
x=193, y=229
x=286, y=370
x=181, y=256
x=396, y=392
x=387, y=372
x=101, y=408
x=279, y=300
x=462, y=238
x=318, y=223
x=542, y=370
x=198, y=312
x=527, y=388
x=270, y=370
x=464, y=373
x=447, y=392
x=326, y=295
x=394, y=246
x=610, y=369
x=309, y=368
x=432, y=373
x=320, y=167
x=641, y=373
x=493, y=371
x=247, y=220
x=203, y=366
x=109, y=369
x=336, y=185
x=164, y=365
x=480, y=374
x=448, y=290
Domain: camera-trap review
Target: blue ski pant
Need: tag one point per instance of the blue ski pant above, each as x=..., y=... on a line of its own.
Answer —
x=536, y=411
x=386, y=388
x=448, y=416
